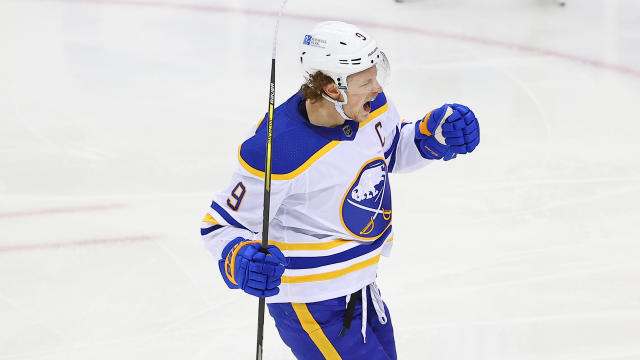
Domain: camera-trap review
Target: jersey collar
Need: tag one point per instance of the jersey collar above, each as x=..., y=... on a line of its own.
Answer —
x=345, y=132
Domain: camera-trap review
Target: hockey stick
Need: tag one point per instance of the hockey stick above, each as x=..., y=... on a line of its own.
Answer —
x=267, y=176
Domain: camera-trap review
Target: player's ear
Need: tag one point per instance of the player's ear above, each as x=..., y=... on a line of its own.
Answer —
x=332, y=91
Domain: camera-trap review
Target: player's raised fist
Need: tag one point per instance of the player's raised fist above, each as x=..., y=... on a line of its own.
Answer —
x=246, y=267
x=447, y=131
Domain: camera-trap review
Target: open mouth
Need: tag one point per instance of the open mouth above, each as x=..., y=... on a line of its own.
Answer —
x=367, y=106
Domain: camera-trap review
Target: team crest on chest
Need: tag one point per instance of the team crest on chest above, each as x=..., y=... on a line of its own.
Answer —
x=366, y=206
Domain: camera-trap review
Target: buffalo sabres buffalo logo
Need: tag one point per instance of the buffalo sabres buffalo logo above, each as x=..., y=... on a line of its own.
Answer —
x=366, y=206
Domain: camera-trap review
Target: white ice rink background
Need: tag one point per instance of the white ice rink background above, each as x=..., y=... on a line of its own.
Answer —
x=119, y=119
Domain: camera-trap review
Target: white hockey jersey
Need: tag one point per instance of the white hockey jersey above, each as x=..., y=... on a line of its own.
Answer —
x=331, y=210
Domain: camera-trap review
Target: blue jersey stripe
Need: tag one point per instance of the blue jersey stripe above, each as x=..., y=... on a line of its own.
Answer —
x=392, y=150
x=207, y=231
x=225, y=215
x=392, y=161
x=317, y=261
x=394, y=144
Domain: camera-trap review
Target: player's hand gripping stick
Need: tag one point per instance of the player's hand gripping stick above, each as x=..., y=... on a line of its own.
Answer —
x=245, y=265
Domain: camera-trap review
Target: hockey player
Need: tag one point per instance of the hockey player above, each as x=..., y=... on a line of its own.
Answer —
x=334, y=144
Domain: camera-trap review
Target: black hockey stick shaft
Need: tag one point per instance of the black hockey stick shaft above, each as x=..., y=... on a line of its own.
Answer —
x=267, y=199
x=267, y=177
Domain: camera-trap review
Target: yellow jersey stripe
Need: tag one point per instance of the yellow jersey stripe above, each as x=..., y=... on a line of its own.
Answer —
x=375, y=114
x=310, y=246
x=313, y=246
x=313, y=329
x=331, y=274
x=325, y=149
x=210, y=219
x=259, y=123
x=312, y=159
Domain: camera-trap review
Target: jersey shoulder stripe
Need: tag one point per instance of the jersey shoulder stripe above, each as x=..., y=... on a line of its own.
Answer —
x=253, y=161
x=295, y=145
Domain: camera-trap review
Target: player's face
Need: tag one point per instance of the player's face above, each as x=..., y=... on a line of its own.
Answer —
x=362, y=88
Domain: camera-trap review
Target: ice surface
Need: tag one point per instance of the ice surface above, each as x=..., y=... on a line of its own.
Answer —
x=120, y=118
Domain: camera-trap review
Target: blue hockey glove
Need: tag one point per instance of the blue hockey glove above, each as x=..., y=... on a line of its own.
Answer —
x=244, y=266
x=447, y=131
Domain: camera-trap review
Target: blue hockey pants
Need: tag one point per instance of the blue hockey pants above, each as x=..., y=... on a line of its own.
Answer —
x=312, y=330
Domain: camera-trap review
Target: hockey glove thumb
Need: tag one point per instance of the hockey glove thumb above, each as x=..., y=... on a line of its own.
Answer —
x=447, y=131
x=246, y=267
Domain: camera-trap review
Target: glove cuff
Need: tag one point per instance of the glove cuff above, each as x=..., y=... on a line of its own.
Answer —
x=227, y=264
x=428, y=146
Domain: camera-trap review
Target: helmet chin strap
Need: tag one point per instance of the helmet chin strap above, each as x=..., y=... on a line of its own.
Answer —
x=338, y=104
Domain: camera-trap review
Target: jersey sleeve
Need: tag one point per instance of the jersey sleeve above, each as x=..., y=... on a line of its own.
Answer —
x=237, y=210
x=402, y=152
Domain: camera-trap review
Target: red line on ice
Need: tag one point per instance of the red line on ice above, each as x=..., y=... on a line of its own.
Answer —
x=67, y=244
x=63, y=210
x=407, y=29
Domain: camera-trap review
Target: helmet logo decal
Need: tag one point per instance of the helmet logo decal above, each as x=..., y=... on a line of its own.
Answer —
x=314, y=41
x=366, y=206
x=361, y=36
